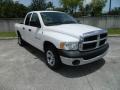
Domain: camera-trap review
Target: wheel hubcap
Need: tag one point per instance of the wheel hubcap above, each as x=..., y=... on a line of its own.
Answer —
x=50, y=58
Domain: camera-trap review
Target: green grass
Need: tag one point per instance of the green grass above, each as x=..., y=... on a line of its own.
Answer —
x=7, y=34
x=113, y=31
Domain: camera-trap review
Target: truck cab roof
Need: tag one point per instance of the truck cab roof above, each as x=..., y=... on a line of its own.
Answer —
x=42, y=11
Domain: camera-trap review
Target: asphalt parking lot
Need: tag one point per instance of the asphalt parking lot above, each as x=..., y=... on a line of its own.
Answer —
x=23, y=68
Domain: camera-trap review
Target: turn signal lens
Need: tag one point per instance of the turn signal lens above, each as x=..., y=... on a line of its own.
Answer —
x=62, y=45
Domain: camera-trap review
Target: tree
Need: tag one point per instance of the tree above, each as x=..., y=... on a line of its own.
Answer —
x=59, y=9
x=50, y=5
x=81, y=8
x=88, y=10
x=115, y=11
x=9, y=9
x=38, y=5
x=110, y=5
x=97, y=6
x=20, y=10
x=71, y=6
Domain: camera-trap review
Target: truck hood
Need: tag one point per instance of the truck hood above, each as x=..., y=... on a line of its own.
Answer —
x=75, y=30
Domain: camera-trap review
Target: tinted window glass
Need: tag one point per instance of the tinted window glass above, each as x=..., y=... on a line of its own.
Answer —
x=57, y=18
x=35, y=20
x=28, y=19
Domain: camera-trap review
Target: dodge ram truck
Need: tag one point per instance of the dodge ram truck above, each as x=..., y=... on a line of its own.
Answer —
x=62, y=39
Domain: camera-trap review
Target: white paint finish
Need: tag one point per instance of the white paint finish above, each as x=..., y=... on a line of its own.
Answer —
x=54, y=34
x=74, y=30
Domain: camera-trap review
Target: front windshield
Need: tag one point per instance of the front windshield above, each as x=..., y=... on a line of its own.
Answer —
x=56, y=18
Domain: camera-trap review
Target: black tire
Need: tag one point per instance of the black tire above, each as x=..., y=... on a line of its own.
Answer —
x=57, y=62
x=20, y=40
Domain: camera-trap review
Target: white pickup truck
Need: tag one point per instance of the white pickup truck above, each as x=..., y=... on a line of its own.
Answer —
x=62, y=39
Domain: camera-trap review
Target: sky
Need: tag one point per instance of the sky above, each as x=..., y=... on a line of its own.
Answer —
x=115, y=3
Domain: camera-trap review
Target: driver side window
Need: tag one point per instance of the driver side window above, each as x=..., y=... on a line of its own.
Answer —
x=35, y=22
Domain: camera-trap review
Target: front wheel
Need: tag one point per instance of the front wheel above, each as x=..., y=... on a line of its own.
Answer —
x=52, y=58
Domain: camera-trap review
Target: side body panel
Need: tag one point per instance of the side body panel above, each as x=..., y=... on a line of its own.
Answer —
x=54, y=37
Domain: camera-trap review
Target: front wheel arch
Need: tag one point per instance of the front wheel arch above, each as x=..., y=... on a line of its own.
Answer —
x=48, y=44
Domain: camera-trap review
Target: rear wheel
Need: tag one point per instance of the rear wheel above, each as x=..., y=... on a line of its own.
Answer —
x=52, y=58
x=20, y=40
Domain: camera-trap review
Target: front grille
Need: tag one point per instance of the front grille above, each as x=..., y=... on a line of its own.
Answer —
x=103, y=35
x=102, y=42
x=90, y=38
x=93, y=42
x=89, y=45
x=93, y=54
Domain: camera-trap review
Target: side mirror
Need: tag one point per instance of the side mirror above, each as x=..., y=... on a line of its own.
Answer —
x=21, y=23
x=35, y=24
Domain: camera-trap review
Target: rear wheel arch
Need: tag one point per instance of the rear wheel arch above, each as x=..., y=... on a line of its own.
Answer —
x=21, y=42
x=18, y=33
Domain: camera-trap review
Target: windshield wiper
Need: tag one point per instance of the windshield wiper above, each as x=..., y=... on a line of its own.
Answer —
x=69, y=22
x=54, y=23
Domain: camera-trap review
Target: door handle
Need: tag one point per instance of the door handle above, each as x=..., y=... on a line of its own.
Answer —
x=23, y=28
x=29, y=30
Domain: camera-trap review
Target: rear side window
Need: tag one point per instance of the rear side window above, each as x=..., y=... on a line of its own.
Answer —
x=27, y=19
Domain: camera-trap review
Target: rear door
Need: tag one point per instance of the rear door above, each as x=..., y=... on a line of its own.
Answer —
x=26, y=27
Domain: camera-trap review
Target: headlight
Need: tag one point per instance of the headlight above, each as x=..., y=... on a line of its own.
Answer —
x=69, y=45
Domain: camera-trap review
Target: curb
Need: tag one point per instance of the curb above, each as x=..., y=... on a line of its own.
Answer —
x=7, y=38
x=11, y=38
x=117, y=35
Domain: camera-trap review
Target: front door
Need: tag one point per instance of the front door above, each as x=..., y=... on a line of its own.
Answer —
x=34, y=30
